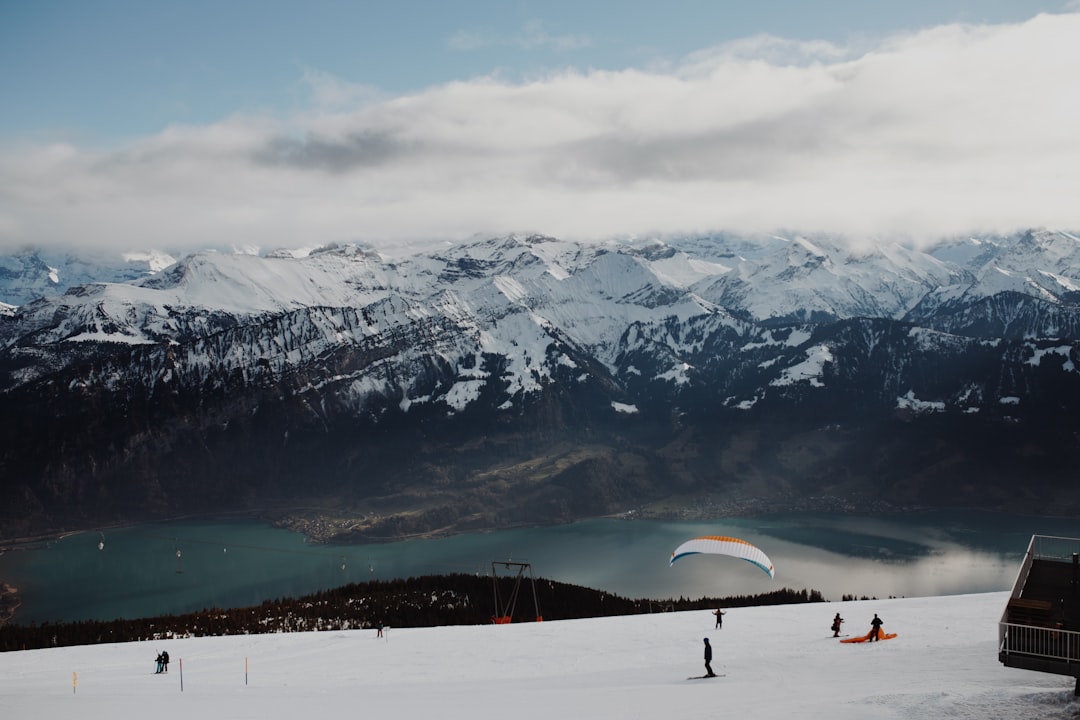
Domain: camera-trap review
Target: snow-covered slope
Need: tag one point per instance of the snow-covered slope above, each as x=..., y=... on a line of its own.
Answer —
x=800, y=279
x=1039, y=270
x=776, y=662
x=30, y=273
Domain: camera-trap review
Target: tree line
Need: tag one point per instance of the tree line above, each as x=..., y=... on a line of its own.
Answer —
x=426, y=601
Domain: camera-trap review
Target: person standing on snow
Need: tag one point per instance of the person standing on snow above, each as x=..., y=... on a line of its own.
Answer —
x=719, y=617
x=875, y=627
x=836, y=625
x=708, y=659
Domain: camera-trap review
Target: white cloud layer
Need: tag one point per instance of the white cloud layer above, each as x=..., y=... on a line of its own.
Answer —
x=954, y=129
x=533, y=35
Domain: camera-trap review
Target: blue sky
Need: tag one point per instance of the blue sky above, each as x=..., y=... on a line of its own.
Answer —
x=292, y=123
x=109, y=68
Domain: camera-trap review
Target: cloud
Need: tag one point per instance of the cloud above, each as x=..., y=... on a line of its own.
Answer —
x=339, y=155
x=954, y=129
x=764, y=48
x=327, y=93
x=531, y=37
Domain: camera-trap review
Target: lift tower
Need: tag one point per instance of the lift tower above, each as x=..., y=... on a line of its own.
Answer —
x=504, y=611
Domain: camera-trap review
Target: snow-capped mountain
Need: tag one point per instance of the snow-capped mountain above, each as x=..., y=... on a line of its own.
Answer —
x=31, y=273
x=1023, y=286
x=799, y=280
x=530, y=379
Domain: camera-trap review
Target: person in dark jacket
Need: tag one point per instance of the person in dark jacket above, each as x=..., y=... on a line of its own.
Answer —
x=708, y=659
x=836, y=621
x=719, y=617
x=875, y=627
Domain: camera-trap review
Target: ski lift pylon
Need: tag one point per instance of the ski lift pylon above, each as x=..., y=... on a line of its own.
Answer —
x=504, y=612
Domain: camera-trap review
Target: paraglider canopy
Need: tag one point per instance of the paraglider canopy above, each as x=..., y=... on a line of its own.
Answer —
x=723, y=545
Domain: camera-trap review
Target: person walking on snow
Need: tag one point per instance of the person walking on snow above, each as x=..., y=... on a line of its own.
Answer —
x=836, y=625
x=719, y=617
x=875, y=627
x=708, y=659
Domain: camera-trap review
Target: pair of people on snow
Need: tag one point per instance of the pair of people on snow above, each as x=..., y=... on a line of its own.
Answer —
x=163, y=661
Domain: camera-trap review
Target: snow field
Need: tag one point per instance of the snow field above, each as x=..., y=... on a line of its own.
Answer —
x=778, y=662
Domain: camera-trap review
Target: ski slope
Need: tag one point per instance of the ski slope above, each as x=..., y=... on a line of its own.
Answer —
x=777, y=662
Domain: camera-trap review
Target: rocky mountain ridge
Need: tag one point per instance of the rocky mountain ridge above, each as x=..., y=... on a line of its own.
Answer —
x=528, y=379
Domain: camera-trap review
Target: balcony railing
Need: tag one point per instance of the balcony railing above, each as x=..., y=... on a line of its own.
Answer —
x=1040, y=642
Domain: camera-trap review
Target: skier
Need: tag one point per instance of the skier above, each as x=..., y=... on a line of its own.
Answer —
x=708, y=659
x=719, y=617
x=875, y=628
x=836, y=625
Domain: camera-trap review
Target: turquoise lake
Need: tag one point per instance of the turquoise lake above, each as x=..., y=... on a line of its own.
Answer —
x=186, y=566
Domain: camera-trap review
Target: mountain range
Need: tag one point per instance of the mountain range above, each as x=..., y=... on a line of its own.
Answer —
x=528, y=379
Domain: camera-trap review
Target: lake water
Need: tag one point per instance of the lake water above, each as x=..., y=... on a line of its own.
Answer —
x=187, y=566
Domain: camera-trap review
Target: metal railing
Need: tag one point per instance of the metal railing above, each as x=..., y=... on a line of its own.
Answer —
x=1048, y=547
x=1049, y=643
x=1022, y=575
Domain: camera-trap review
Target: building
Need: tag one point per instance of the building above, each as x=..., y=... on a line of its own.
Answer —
x=1040, y=627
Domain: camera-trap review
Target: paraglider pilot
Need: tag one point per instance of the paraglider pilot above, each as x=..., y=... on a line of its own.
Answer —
x=719, y=617
x=708, y=659
x=875, y=627
x=836, y=625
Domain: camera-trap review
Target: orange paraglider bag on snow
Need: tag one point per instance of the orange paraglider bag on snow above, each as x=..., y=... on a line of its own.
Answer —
x=867, y=637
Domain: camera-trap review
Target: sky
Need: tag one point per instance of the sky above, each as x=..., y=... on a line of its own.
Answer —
x=774, y=662
x=269, y=123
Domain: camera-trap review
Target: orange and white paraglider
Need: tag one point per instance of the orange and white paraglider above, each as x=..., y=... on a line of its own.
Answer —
x=723, y=545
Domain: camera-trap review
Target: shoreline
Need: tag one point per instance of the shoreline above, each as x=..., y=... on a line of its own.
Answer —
x=344, y=529
x=9, y=602
x=321, y=527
